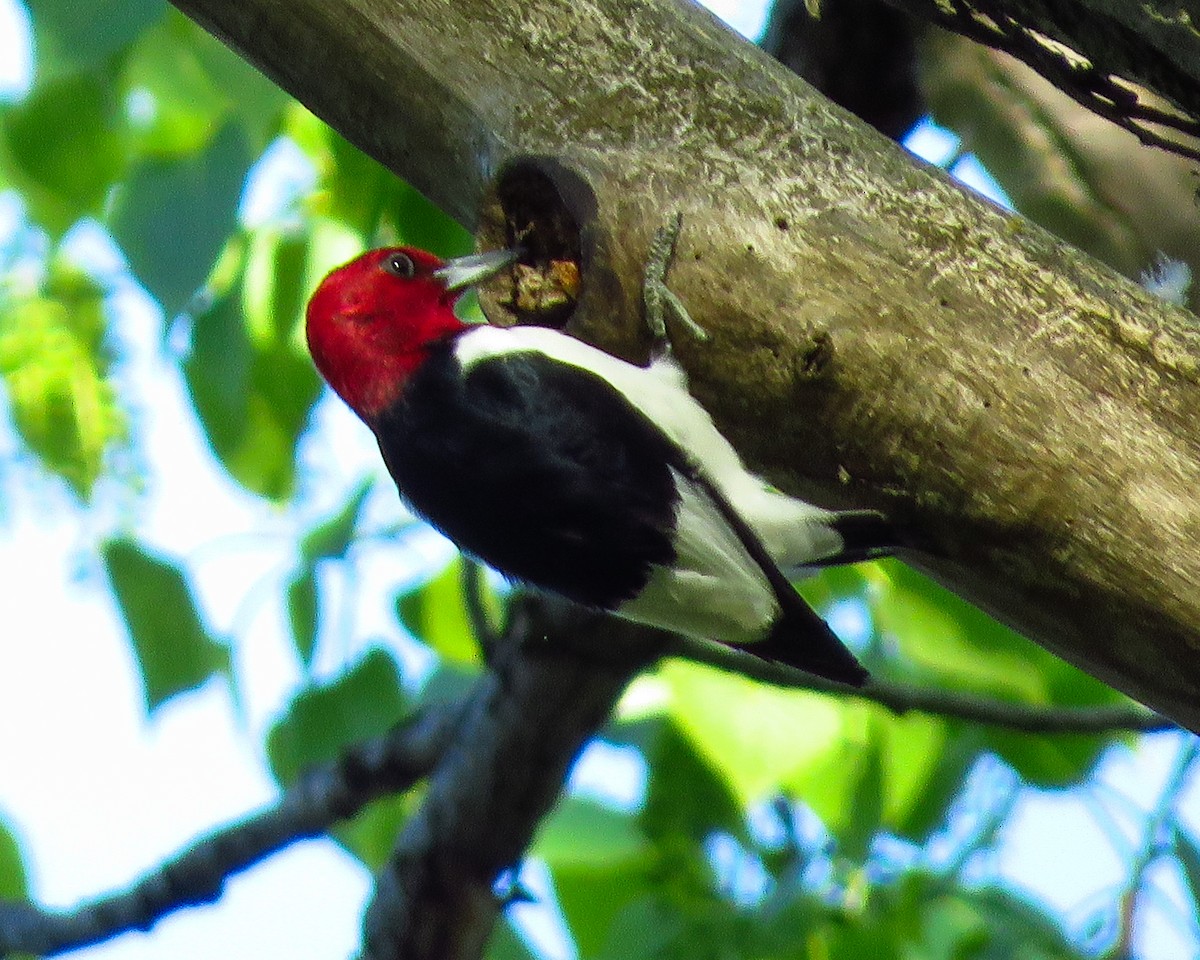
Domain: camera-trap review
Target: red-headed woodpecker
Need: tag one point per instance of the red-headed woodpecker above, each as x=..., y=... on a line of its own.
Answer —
x=572, y=471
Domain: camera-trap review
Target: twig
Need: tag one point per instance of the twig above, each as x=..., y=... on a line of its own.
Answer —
x=197, y=875
x=902, y=698
x=485, y=632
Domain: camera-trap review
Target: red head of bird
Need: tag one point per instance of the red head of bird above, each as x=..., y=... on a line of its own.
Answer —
x=371, y=322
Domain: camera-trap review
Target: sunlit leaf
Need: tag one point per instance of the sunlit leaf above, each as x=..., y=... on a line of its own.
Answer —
x=952, y=642
x=436, y=614
x=758, y=737
x=927, y=761
x=949, y=641
x=55, y=371
x=173, y=217
x=175, y=106
x=172, y=645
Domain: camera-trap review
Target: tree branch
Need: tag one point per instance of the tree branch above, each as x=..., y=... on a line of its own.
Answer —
x=1118, y=58
x=197, y=875
x=523, y=727
x=903, y=698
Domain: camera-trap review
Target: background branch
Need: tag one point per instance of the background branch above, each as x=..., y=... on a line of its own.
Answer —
x=309, y=808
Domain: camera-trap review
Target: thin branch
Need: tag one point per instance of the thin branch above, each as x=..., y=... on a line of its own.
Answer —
x=902, y=698
x=196, y=876
x=481, y=623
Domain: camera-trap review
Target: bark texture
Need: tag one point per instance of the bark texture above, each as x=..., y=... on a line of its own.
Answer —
x=879, y=336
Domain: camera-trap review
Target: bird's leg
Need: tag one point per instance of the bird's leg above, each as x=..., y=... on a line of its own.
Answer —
x=659, y=300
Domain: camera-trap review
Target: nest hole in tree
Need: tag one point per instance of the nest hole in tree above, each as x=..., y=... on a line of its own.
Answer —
x=526, y=209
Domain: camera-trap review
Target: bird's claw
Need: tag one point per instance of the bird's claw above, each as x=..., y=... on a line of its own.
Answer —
x=658, y=298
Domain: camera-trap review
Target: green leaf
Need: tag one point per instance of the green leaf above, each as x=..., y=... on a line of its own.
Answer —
x=601, y=860
x=436, y=614
x=758, y=737
x=303, y=607
x=950, y=642
x=255, y=102
x=583, y=833
x=55, y=369
x=218, y=372
x=172, y=646
x=507, y=944
x=66, y=148
x=371, y=834
x=419, y=223
x=14, y=882
x=927, y=760
x=644, y=930
x=866, y=806
x=331, y=538
x=323, y=719
x=253, y=389
x=71, y=36
x=173, y=217
x=175, y=107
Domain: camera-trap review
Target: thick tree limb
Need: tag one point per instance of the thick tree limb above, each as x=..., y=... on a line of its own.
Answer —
x=524, y=726
x=878, y=335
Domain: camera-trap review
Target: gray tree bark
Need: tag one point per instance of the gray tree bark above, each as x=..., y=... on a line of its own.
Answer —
x=880, y=337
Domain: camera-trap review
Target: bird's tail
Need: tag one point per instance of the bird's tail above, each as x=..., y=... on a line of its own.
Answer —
x=800, y=638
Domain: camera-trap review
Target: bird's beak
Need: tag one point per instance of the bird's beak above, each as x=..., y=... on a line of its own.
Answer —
x=464, y=271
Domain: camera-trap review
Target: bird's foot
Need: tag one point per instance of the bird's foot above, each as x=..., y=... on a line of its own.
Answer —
x=659, y=300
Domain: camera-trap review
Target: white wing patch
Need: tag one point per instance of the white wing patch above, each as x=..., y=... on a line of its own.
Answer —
x=792, y=531
x=715, y=590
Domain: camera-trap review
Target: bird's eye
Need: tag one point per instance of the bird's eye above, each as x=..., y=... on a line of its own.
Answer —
x=400, y=265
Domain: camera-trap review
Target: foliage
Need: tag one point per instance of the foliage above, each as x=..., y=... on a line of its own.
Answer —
x=771, y=823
